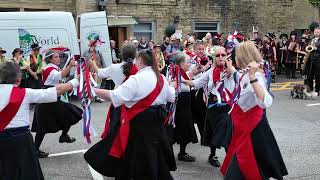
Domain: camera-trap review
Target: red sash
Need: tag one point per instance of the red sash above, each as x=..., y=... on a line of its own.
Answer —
x=121, y=140
x=241, y=144
x=184, y=74
x=46, y=73
x=133, y=71
x=216, y=72
x=10, y=111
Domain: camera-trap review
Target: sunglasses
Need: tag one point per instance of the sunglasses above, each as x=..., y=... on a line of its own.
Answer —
x=218, y=55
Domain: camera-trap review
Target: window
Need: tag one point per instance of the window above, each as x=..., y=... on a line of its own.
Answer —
x=202, y=28
x=35, y=10
x=9, y=9
x=143, y=30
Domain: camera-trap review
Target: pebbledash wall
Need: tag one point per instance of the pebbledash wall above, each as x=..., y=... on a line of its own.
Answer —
x=279, y=16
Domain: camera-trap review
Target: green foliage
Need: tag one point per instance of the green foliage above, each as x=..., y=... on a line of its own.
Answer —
x=315, y=2
x=170, y=29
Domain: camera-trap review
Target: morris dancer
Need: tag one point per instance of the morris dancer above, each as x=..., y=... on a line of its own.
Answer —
x=118, y=73
x=198, y=101
x=139, y=150
x=253, y=152
x=312, y=68
x=184, y=131
x=293, y=47
x=50, y=118
x=17, y=152
x=269, y=53
x=217, y=127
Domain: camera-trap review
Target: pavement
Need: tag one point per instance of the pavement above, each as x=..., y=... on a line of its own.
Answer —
x=295, y=123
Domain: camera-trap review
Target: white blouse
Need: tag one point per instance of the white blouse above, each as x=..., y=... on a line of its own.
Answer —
x=32, y=96
x=206, y=79
x=139, y=86
x=115, y=72
x=54, y=77
x=184, y=87
x=248, y=98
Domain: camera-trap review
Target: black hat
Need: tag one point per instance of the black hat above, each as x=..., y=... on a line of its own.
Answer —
x=294, y=33
x=2, y=50
x=17, y=50
x=283, y=35
x=35, y=46
x=269, y=35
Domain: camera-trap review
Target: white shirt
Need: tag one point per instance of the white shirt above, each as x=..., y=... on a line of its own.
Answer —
x=54, y=77
x=115, y=72
x=139, y=86
x=206, y=79
x=184, y=87
x=248, y=98
x=32, y=96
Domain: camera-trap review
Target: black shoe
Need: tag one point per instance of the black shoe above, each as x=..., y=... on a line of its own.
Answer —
x=66, y=139
x=42, y=154
x=98, y=100
x=214, y=161
x=186, y=157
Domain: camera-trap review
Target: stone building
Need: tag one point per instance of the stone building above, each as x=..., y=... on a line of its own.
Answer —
x=150, y=17
x=201, y=16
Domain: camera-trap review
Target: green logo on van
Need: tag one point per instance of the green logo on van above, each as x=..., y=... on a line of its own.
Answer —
x=26, y=40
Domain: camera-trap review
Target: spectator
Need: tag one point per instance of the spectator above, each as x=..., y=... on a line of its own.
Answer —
x=173, y=49
x=24, y=67
x=166, y=42
x=136, y=43
x=151, y=44
x=36, y=66
x=143, y=44
x=2, y=57
x=115, y=53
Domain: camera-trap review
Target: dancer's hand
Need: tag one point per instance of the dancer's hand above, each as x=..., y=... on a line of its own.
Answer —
x=72, y=63
x=254, y=67
x=173, y=83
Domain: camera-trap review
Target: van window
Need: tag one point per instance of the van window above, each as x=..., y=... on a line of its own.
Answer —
x=9, y=9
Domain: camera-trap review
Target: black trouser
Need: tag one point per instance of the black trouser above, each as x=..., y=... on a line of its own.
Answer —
x=291, y=69
x=314, y=75
x=39, y=136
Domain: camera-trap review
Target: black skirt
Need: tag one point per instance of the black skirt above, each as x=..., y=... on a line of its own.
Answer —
x=148, y=156
x=198, y=109
x=52, y=117
x=184, y=131
x=18, y=158
x=267, y=154
x=218, y=127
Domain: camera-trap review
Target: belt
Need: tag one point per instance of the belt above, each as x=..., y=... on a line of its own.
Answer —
x=12, y=132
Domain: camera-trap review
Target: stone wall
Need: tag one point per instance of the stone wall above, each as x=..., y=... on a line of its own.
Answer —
x=269, y=15
x=57, y=5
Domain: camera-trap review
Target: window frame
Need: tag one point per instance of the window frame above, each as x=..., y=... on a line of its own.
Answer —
x=152, y=31
x=203, y=22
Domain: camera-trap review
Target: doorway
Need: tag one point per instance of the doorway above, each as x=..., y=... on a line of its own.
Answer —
x=118, y=34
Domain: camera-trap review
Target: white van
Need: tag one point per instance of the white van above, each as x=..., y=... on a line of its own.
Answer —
x=51, y=29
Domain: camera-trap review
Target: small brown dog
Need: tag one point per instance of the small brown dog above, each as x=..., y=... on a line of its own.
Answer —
x=301, y=91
